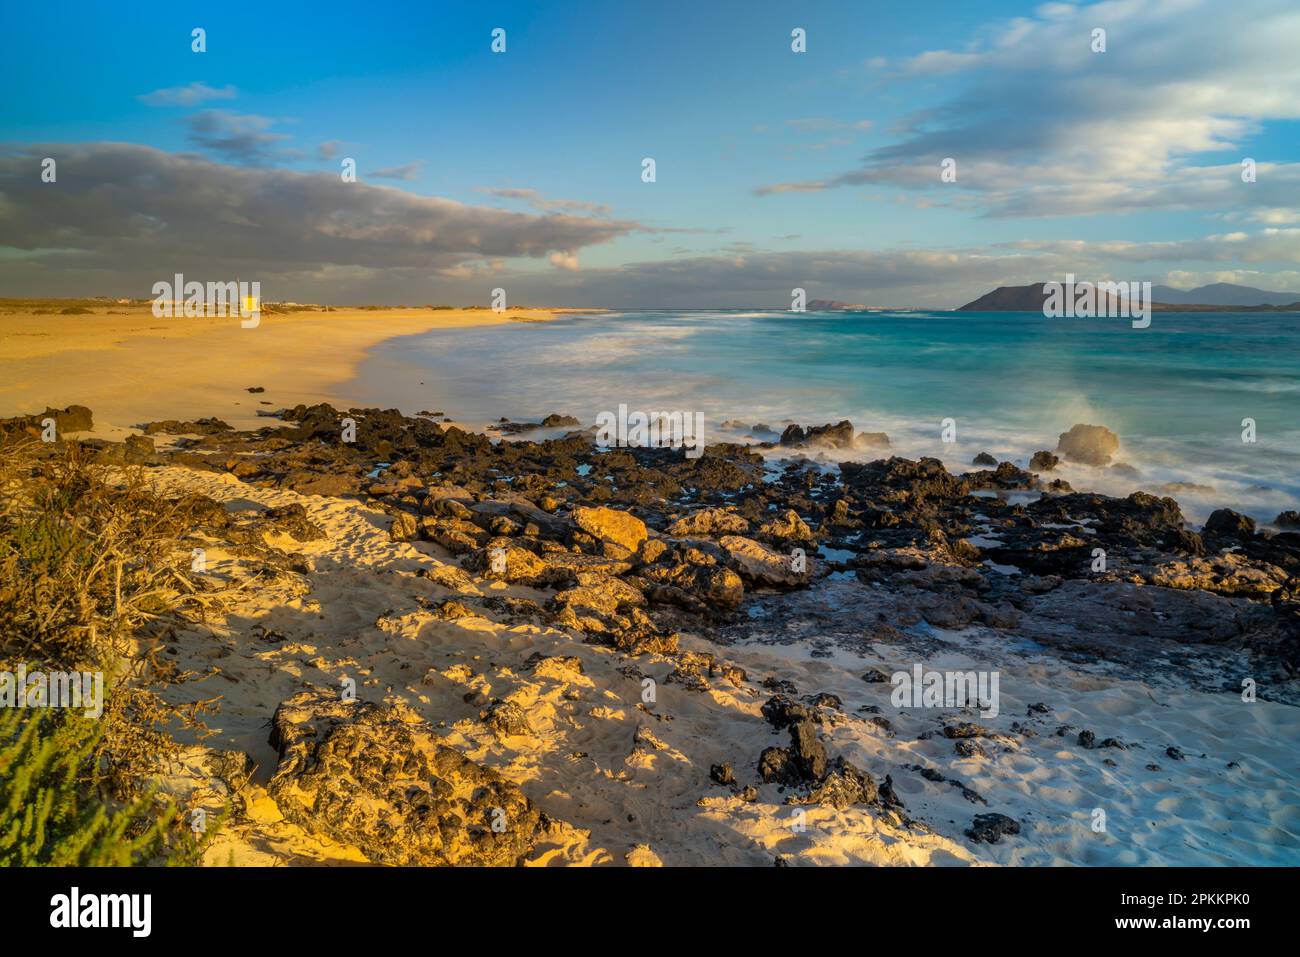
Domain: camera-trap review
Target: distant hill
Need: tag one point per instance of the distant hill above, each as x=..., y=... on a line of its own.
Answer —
x=1223, y=294
x=1030, y=299
x=834, y=305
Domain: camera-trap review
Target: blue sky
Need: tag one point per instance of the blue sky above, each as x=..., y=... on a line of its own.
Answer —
x=774, y=168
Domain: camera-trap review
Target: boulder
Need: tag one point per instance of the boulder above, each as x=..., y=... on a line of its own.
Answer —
x=405, y=528
x=1226, y=523
x=611, y=525
x=75, y=418
x=709, y=521
x=502, y=560
x=375, y=777
x=762, y=565
x=868, y=441
x=1089, y=444
x=837, y=436
x=787, y=528
x=990, y=828
x=557, y=421
x=1043, y=462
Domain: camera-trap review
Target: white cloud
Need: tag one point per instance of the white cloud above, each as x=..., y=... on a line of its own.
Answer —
x=191, y=95
x=1042, y=126
x=407, y=172
x=536, y=200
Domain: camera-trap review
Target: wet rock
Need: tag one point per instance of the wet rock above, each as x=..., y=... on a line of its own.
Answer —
x=375, y=777
x=1087, y=739
x=1225, y=523
x=557, y=421
x=1288, y=519
x=901, y=482
x=871, y=441
x=984, y=459
x=837, y=436
x=1005, y=476
x=1043, y=462
x=1089, y=444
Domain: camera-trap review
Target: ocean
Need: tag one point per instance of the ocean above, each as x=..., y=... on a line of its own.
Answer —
x=1176, y=393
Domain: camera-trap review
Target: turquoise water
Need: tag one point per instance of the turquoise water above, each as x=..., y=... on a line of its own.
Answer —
x=1176, y=393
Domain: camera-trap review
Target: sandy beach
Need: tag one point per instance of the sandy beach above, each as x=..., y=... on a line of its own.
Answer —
x=121, y=360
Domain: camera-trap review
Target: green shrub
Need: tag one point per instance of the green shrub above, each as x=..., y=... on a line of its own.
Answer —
x=52, y=810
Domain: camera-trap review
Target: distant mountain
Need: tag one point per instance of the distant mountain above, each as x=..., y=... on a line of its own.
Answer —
x=1223, y=294
x=1030, y=299
x=1009, y=299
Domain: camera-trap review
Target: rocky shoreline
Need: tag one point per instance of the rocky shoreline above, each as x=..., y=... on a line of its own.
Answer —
x=633, y=549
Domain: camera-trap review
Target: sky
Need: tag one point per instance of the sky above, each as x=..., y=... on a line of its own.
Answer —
x=523, y=169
